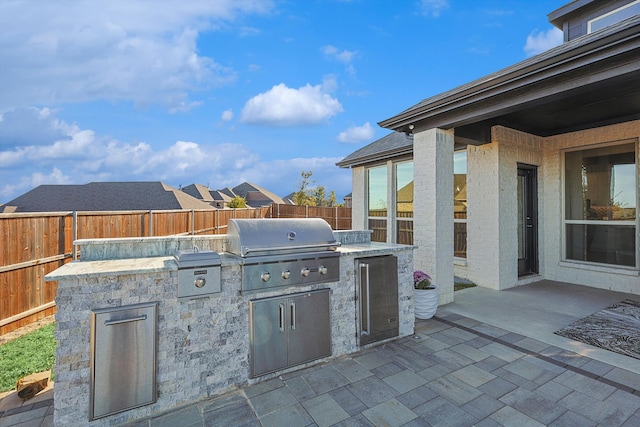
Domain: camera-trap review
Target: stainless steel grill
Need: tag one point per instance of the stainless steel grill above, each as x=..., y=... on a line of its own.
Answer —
x=284, y=252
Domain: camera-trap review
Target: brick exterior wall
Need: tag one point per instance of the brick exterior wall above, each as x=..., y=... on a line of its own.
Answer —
x=551, y=234
x=359, y=197
x=433, y=208
x=492, y=250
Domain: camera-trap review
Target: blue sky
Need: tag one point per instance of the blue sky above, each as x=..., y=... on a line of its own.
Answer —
x=226, y=91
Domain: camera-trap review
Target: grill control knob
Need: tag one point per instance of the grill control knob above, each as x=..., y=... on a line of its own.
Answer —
x=322, y=269
x=265, y=276
x=200, y=282
x=305, y=272
x=286, y=274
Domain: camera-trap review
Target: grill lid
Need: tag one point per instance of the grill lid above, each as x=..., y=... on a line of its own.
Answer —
x=269, y=236
x=196, y=258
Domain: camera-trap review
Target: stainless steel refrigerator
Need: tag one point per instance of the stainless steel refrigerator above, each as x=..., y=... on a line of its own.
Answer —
x=377, y=298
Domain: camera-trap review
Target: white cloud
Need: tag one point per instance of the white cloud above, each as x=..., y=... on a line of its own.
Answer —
x=357, y=133
x=433, y=7
x=345, y=56
x=538, y=42
x=72, y=155
x=283, y=106
x=142, y=51
x=227, y=115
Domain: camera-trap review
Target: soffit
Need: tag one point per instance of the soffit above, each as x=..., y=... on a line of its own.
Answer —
x=590, y=81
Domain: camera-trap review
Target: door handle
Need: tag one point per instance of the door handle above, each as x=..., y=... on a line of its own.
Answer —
x=367, y=330
x=293, y=315
x=281, y=317
x=130, y=319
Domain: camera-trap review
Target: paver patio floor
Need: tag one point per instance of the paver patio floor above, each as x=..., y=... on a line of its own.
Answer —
x=456, y=370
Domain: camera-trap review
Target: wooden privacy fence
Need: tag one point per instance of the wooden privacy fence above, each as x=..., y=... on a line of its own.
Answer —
x=339, y=218
x=34, y=244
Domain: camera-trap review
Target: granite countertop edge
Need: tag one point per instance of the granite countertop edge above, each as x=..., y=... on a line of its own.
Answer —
x=126, y=266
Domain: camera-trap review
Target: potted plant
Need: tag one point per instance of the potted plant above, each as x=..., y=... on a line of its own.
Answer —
x=425, y=295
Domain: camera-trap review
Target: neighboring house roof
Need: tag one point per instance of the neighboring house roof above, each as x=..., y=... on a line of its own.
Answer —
x=393, y=145
x=199, y=191
x=288, y=199
x=590, y=81
x=104, y=196
x=256, y=196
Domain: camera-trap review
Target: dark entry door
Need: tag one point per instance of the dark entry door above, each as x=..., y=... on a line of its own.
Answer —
x=527, y=220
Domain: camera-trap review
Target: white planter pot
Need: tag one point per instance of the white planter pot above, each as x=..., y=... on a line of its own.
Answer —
x=425, y=302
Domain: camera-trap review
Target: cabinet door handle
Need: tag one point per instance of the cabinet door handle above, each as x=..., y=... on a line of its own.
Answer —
x=293, y=315
x=281, y=316
x=365, y=305
x=130, y=319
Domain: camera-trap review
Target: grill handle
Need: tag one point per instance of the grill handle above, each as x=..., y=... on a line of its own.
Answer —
x=246, y=250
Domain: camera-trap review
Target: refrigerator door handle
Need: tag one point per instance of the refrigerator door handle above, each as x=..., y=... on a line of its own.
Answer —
x=367, y=330
x=293, y=315
x=281, y=317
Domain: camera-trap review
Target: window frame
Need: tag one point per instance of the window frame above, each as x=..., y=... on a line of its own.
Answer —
x=590, y=22
x=395, y=216
x=368, y=199
x=564, y=221
x=461, y=220
x=391, y=219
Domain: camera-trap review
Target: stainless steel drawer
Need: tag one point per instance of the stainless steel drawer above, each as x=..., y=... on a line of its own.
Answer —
x=123, y=358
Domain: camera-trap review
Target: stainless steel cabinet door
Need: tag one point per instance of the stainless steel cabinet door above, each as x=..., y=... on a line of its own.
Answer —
x=378, y=298
x=123, y=358
x=267, y=335
x=309, y=327
x=288, y=330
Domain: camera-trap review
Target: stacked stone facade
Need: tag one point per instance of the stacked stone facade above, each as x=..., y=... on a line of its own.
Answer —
x=203, y=344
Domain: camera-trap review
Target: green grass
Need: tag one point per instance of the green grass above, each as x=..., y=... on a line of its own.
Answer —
x=459, y=286
x=31, y=353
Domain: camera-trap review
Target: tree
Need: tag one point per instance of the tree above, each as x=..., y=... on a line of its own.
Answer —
x=237, y=202
x=303, y=195
x=312, y=196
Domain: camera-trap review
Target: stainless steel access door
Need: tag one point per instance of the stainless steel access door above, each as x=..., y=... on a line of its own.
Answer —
x=123, y=358
x=310, y=327
x=378, y=298
x=288, y=330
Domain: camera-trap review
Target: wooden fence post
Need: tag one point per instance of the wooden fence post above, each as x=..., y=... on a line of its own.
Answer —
x=74, y=236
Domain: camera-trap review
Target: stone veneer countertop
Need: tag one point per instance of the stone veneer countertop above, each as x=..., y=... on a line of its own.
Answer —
x=152, y=264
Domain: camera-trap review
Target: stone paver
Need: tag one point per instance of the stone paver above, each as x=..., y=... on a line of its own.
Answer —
x=454, y=372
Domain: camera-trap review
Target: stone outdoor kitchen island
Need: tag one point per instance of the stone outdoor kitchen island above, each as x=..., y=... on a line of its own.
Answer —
x=202, y=346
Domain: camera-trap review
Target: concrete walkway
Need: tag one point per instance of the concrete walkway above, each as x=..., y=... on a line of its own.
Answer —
x=489, y=359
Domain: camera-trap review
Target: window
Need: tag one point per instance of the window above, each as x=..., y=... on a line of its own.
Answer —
x=460, y=204
x=404, y=203
x=377, y=202
x=601, y=195
x=615, y=16
x=394, y=224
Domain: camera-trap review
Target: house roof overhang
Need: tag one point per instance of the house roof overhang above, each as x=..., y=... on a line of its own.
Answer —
x=591, y=81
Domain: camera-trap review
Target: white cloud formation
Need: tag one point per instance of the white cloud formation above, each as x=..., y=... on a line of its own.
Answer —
x=357, y=133
x=70, y=155
x=142, y=51
x=345, y=56
x=227, y=115
x=538, y=42
x=433, y=7
x=282, y=106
